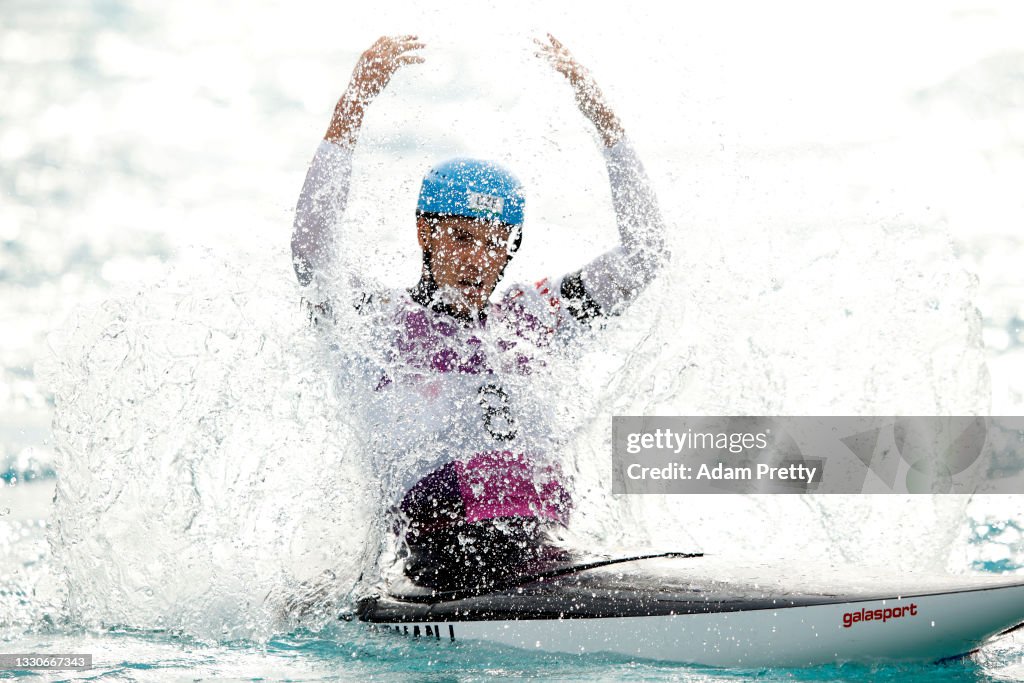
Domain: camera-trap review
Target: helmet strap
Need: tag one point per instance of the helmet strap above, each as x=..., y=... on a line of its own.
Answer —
x=424, y=291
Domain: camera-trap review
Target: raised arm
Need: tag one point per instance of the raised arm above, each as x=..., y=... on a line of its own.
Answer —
x=616, y=277
x=324, y=194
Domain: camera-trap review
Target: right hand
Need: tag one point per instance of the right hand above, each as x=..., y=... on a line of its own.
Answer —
x=373, y=72
x=379, y=63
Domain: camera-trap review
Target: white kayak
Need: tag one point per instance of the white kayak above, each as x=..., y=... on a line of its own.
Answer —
x=659, y=607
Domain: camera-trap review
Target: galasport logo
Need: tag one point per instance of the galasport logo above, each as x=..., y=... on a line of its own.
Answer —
x=883, y=615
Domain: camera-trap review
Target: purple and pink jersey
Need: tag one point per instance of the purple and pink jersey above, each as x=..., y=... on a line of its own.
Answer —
x=459, y=409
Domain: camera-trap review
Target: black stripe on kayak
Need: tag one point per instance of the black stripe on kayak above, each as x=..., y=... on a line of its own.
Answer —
x=566, y=601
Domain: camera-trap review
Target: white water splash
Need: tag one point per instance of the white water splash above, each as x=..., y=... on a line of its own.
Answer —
x=204, y=459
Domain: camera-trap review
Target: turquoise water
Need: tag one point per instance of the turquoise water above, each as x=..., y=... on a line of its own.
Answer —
x=847, y=231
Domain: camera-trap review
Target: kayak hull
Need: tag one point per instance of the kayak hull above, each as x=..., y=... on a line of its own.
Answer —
x=714, y=623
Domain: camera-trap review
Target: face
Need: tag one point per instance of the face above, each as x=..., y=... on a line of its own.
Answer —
x=467, y=257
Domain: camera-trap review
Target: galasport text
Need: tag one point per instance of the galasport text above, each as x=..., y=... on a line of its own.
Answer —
x=851, y=618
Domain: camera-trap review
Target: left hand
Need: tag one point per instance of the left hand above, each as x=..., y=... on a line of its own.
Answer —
x=588, y=96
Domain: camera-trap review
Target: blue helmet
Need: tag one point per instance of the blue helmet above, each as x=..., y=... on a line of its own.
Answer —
x=474, y=189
